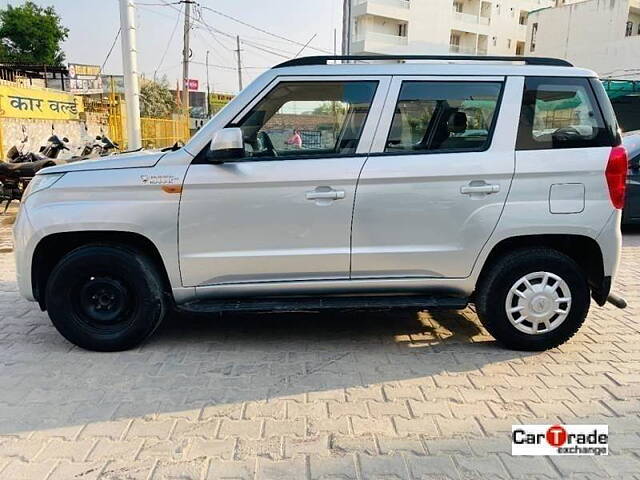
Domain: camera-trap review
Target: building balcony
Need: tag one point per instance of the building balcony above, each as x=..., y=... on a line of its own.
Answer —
x=374, y=42
x=467, y=22
x=394, y=9
x=457, y=49
x=470, y=18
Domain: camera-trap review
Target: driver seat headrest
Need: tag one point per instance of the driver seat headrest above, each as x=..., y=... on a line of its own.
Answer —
x=457, y=122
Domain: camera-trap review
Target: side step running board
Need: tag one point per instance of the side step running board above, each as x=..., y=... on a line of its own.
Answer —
x=297, y=304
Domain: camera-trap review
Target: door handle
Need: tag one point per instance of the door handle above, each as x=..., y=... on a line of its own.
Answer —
x=325, y=194
x=479, y=188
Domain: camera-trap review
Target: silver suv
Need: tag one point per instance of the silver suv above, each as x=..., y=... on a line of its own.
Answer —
x=431, y=183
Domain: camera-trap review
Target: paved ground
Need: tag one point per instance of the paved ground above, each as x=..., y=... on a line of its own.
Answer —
x=382, y=396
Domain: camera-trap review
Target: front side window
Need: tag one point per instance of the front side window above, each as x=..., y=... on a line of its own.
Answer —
x=560, y=113
x=308, y=119
x=443, y=116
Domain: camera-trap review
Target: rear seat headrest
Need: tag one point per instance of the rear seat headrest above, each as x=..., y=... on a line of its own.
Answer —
x=457, y=122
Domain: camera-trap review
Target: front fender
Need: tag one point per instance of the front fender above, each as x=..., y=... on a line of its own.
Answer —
x=106, y=201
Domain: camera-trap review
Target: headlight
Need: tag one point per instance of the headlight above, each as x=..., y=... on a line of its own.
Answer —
x=41, y=182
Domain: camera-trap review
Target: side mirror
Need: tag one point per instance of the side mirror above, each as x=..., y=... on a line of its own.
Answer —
x=226, y=144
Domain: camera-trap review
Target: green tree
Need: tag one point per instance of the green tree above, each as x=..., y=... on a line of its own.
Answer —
x=156, y=100
x=30, y=34
x=330, y=108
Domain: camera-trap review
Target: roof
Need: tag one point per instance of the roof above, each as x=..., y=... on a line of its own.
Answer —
x=452, y=68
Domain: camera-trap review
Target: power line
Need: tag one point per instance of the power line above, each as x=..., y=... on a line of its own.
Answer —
x=266, y=50
x=115, y=40
x=164, y=54
x=231, y=36
x=262, y=30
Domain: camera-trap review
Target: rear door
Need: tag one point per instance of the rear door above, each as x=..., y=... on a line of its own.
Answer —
x=436, y=181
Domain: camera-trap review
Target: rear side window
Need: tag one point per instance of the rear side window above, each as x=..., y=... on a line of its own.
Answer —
x=443, y=116
x=560, y=113
x=607, y=111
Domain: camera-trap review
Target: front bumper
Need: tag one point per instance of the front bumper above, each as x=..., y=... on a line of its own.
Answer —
x=23, y=252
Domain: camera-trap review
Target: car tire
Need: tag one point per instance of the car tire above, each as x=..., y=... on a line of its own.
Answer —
x=105, y=297
x=519, y=298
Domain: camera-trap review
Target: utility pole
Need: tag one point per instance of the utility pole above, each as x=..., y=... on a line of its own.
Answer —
x=186, y=53
x=239, y=64
x=208, y=90
x=130, y=70
x=346, y=27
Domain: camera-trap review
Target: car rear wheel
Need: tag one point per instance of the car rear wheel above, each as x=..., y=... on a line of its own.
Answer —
x=105, y=297
x=533, y=299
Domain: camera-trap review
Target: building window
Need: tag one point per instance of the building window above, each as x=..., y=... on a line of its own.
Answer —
x=523, y=18
x=495, y=41
x=454, y=43
x=457, y=6
x=498, y=9
x=534, y=34
x=629, y=31
x=508, y=43
x=402, y=30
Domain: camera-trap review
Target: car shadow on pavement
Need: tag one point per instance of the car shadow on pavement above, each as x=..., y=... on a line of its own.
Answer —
x=195, y=363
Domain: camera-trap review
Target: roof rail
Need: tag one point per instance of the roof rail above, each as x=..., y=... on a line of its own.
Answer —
x=323, y=60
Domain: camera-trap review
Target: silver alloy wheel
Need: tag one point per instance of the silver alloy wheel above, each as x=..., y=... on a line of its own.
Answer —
x=538, y=303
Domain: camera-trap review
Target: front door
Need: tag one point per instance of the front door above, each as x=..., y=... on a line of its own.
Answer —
x=284, y=212
x=435, y=184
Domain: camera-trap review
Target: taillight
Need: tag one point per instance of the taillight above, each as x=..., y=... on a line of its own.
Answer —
x=616, y=174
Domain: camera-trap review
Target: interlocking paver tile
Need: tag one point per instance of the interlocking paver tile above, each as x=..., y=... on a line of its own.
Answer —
x=383, y=467
x=432, y=466
x=333, y=468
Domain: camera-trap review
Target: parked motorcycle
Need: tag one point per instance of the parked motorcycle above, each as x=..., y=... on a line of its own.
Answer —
x=55, y=145
x=100, y=147
x=17, y=172
x=14, y=178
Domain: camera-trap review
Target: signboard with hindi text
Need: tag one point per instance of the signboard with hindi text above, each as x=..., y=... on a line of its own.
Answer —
x=219, y=100
x=84, y=79
x=18, y=102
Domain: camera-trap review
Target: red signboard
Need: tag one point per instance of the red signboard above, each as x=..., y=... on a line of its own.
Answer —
x=192, y=84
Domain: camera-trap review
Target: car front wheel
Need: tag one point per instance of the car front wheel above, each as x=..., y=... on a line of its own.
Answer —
x=533, y=299
x=105, y=297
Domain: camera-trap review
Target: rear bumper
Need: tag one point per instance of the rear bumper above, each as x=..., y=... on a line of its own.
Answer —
x=610, y=241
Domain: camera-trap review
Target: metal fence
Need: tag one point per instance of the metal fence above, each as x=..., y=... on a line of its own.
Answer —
x=156, y=132
x=164, y=132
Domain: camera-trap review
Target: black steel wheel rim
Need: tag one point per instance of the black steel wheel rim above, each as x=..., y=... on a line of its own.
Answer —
x=103, y=302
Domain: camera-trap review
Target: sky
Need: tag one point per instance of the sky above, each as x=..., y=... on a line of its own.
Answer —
x=93, y=26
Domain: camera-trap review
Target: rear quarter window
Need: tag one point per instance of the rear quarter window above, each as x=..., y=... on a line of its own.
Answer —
x=560, y=112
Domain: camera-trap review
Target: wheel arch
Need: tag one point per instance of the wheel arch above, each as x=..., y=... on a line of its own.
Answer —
x=584, y=250
x=50, y=250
